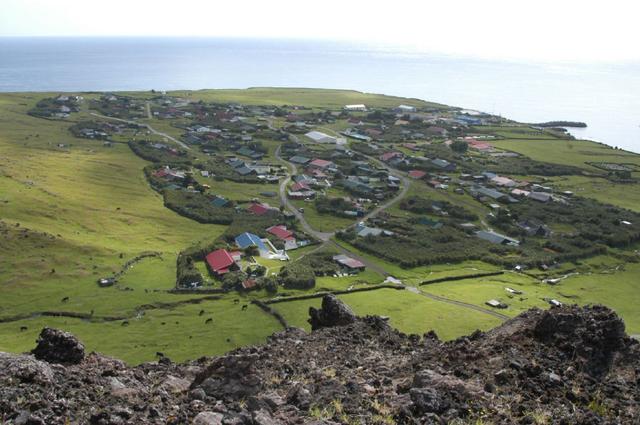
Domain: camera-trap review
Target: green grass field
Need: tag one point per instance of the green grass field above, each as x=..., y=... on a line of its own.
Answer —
x=316, y=98
x=569, y=152
x=408, y=312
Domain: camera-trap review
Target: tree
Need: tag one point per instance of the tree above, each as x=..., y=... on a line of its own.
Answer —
x=459, y=146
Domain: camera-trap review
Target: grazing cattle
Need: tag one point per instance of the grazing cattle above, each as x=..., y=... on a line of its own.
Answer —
x=125, y=323
x=23, y=328
x=65, y=299
x=201, y=312
x=236, y=301
x=159, y=354
x=228, y=339
x=163, y=323
x=208, y=321
x=244, y=307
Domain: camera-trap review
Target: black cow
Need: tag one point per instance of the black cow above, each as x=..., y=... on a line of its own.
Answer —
x=65, y=299
x=23, y=328
x=201, y=312
x=244, y=307
x=208, y=321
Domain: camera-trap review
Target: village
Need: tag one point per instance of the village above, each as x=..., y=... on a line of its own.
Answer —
x=412, y=186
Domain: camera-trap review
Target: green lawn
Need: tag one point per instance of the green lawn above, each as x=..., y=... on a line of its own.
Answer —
x=316, y=98
x=603, y=190
x=408, y=312
x=569, y=152
x=180, y=333
x=323, y=222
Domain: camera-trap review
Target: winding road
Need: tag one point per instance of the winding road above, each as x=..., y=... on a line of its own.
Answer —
x=147, y=126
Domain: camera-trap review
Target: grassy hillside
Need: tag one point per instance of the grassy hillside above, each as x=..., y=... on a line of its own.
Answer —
x=316, y=98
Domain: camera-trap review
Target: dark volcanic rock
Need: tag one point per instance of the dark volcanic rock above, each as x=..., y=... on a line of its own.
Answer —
x=566, y=365
x=332, y=313
x=594, y=337
x=56, y=346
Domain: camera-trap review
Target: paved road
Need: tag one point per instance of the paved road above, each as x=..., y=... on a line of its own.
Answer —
x=418, y=291
x=323, y=236
x=147, y=126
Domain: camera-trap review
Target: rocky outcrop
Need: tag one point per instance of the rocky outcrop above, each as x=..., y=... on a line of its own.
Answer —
x=569, y=365
x=56, y=346
x=332, y=313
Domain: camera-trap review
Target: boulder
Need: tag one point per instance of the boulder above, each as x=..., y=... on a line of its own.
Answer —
x=208, y=418
x=332, y=313
x=56, y=346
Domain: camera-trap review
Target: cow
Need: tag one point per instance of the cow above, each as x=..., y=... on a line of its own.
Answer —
x=159, y=354
x=244, y=307
x=236, y=301
x=201, y=312
x=65, y=299
x=125, y=323
x=208, y=321
x=23, y=328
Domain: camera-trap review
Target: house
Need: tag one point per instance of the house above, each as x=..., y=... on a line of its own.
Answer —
x=534, y=228
x=426, y=221
x=249, y=284
x=405, y=109
x=496, y=304
x=435, y=184
x=357, y=107
x=485, y=192
x=497, y=238
x=388, y=156
x=281, y=232
x=363, y=231
x=321, y=164
x=520, y=193
x=436, y=131
x=320, y=137
x=219, y=202
x=245, y=171
x=220, y=262
x=260, y=209
x=300, y=195
x=503, y=181
x=443, y=164
x=300, y=186
x=373, y=132
x=540, y=196
x=299, y=159
x=246, y=240
x=349, y=263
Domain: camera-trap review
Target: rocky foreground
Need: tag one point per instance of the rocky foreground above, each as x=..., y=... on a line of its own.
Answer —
x=569, y=365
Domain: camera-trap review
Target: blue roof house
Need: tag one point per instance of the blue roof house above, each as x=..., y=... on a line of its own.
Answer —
x=247, y=239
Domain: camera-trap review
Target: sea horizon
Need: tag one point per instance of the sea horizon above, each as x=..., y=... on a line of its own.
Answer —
x=606, y=96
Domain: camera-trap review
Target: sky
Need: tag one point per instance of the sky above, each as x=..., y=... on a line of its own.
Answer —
x=547, y=30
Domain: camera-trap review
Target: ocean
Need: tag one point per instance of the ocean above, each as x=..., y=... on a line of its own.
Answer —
x=606, y=96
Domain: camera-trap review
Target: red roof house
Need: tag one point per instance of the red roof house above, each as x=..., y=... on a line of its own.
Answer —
x=390, y=155
x=417, y=174
x=299, y=187
x=259, y=209
x=281, y=232
x=220, y=262
x=321, y=164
